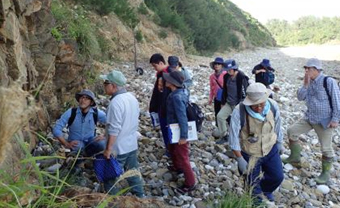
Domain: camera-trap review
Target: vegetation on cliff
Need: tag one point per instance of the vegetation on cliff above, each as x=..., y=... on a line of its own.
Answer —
x=205, y=26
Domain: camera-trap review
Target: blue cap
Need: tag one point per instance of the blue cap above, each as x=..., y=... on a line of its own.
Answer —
x=173, y=61
x=230, y=64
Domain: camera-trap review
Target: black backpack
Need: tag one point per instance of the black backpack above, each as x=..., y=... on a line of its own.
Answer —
x=328, y=92
x=74, y=113
x=194, y=113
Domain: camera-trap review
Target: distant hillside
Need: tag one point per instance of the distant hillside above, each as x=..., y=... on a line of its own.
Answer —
x=306, y=30
x=105, y=28
x=210, y=25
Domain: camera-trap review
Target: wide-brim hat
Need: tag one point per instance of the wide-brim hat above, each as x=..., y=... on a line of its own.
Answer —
x=88, y=93
x=256, y=93
x=218, y=60
x=176, y=78
x=265, y=63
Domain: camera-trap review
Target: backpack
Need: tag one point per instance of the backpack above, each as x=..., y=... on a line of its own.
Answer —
x=194, y=113
x=74, y=113
x=327, y=91
x=268, y=77
x=243, y=112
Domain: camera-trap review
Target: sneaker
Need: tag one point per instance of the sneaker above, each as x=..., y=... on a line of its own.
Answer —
x=269, y=196
x=186, y=189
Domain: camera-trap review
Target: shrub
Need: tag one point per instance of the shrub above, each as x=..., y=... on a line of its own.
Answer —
x=142, y=9
x=232, y=200
x=56, y=34
x=75, y=25
x=139, y=36
x=163, y=34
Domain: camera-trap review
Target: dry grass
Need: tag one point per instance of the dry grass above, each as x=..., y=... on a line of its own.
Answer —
x=16, y=107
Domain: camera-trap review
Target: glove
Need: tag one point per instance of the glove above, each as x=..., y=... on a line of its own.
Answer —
x=280, y=147
x=242, y=165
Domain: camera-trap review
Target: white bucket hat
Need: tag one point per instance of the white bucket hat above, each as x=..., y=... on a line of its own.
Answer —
x=256, y=93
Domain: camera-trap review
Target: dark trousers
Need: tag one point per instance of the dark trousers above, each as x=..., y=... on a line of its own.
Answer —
x=165, y=131
x=271, y=166
x=217, y=108
x=180, y=160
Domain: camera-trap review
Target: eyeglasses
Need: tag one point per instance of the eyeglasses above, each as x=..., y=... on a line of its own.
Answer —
x=107, y=82
x=85, y=97
x=217, y=64
x=261, y=105
x=308, y=68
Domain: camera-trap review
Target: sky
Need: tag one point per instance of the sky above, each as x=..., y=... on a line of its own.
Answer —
x=289, y=10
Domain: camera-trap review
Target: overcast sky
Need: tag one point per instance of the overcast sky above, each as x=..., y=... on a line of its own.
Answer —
x=290, y=10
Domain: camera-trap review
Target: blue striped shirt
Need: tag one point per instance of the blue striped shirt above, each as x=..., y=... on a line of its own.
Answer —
x=235, y=127
x=316, y=98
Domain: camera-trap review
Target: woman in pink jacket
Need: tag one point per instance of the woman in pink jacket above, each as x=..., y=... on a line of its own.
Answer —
x=216, y=85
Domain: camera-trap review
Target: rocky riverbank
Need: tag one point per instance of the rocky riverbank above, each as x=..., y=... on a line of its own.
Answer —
x=214, y=167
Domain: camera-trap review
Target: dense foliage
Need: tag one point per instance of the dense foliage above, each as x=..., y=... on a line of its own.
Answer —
x=205, y=26
x=210, y=25
x=121, y=8
x=305, y=30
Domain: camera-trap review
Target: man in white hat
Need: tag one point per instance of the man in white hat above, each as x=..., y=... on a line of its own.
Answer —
x=322, y=98
x=256, y=141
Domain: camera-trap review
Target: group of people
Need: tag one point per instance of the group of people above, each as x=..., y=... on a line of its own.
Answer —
x=121, y=121
x=255, y=135
x=246, y=117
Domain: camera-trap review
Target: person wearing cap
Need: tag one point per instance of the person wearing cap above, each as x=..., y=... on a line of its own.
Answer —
x=322, y=115
x=82, y=131
x=122, y=130
x=216, y=83
x=260, y=69
x=175, y=64
x=256, y=142
x=235, y=83
x=177, y=103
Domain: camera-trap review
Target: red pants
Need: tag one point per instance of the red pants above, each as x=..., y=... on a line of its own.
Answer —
x=180, y=159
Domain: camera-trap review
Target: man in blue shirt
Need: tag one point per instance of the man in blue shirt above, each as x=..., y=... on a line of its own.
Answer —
x=82, y=131
x=322, y=115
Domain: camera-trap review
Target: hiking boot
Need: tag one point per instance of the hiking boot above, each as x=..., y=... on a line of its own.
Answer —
x=186, y=189
x=294, y=157
x=325, y=174
x=223, y=140
x=171, y=168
